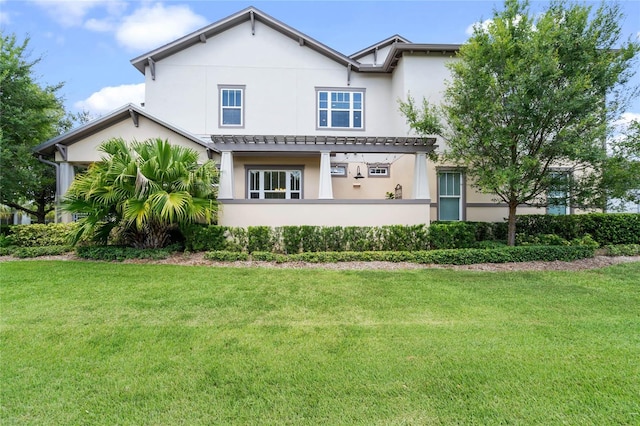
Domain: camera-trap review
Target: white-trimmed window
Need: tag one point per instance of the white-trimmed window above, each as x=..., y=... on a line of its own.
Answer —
x=339, y=170
x=450, y=195
x=231, y=106
x=274, y=184
x=558, y=194
x=340, y=109
x=379, y=170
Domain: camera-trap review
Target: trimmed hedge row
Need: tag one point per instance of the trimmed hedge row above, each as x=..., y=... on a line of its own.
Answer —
x=299, y=239
x=448, y=257
x=605, y=228
x=120, y=253
x=622, y=250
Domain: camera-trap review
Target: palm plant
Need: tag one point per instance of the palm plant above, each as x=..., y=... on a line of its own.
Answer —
x=143, y=190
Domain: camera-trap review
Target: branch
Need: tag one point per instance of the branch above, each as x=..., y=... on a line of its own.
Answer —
x=19, y=207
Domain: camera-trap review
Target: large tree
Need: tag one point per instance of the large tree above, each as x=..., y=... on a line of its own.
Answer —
x=29, y=114
x=530, y=95
x=142, y=191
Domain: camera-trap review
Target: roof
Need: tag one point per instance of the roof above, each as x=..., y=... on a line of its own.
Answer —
x=125, y=112
x=316, y=144
x=249, y=14
x=252, y=14
x=396, y=38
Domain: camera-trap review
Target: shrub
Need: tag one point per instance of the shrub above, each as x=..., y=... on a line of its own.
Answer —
x=623, y=250
x=204, y=238
x=226, y=256
x=260, y=238
x=36, y=235
x=120, y=253
x=450, y=235
x=27, y=252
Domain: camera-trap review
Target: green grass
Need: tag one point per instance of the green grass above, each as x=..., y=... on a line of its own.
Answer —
x=103, y=343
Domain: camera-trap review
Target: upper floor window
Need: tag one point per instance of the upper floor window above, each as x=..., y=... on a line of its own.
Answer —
x=340, y=109
x=557, y=197
x=232, y=106
x=379, y=170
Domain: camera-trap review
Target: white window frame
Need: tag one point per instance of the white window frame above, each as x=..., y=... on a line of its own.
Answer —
x=379, y=171
x=222, y=108
x=339, y=169
x=328, y=108
x=460, y=196
x=261, y=191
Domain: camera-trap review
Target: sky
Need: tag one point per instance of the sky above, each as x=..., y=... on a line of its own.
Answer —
x=88, y=44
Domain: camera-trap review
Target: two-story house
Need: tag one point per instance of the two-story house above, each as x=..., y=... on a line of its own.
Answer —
x=303, y=134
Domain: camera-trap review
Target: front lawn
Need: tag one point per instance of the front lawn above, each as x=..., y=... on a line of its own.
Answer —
x=104, y=343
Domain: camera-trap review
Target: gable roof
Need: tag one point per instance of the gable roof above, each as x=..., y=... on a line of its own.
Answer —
x=129, y=111
x=396, y=38
x=251, y=14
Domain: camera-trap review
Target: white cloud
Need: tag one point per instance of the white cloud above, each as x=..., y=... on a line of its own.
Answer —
x=484, y=25
x=73, y=13
x=100, y=25
x=626, y=118
x=112, y=97
x=153, y=26
x=4, y=18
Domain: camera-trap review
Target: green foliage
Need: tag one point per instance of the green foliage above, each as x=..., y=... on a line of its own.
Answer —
x=528, y=92
x=121, y=253
x=605, y=228
x=204, y=238
x=36, y=235
x=27, y=252
x=226, y=256
x=260, y=238
x=29, y=115
x=622, y=250
x=143, y=191
x=621, y=170
x=500, y=254
x=452, y=235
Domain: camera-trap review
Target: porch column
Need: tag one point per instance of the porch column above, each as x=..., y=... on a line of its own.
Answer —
x=225, y=190
x=420, y=180
x=325, y=190
x=64, y=180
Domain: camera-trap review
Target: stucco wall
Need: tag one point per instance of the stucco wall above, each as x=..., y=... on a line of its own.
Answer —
x=86, y=150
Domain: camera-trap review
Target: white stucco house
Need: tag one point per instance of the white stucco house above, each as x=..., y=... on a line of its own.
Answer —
x=303, y=134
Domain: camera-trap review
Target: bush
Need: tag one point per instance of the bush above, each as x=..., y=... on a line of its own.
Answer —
x=204, y=238
x=605, y=228
x=120, y=253
x=27, y=252
x=622, y=250
x=260, y=238
x=36, y=235
x=226, y=256
x=451, y=235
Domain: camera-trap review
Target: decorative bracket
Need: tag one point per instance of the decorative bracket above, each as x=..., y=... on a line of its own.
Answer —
x=348, y=74
x=253, y=23
x=152, y=67
x=134, y=117
x=62, y=149
x=203, y=38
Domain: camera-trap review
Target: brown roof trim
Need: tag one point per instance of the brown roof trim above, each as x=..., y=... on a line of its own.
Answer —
x=129, y=111
x=248, y=14
x=396, y=38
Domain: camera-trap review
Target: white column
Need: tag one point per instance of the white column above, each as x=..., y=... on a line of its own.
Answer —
x=65, y=178
x=325, y=189
x=225, y=190
x=420, y=180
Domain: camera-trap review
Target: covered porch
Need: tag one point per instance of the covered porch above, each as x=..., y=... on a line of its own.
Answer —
x=312, y=189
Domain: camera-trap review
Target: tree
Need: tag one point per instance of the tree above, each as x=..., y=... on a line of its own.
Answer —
x=143, y=190
x=530, y=94
x=621, y=171
x=29, y=115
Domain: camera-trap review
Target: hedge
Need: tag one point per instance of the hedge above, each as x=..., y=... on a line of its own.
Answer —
x=38, y=235
x=120, y=253
x=447, y=256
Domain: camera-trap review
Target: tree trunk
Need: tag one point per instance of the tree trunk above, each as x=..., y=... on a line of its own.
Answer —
x=511, y=236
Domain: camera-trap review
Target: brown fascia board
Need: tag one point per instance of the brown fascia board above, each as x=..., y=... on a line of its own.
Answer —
x=231, y=21
x=384, y=43
x=399, y=48
x=92, y=127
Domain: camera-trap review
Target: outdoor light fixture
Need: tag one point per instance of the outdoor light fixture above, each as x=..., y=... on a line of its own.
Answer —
x=358, y=174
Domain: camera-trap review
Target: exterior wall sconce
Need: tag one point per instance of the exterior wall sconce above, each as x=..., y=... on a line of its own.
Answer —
x=358, y=174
